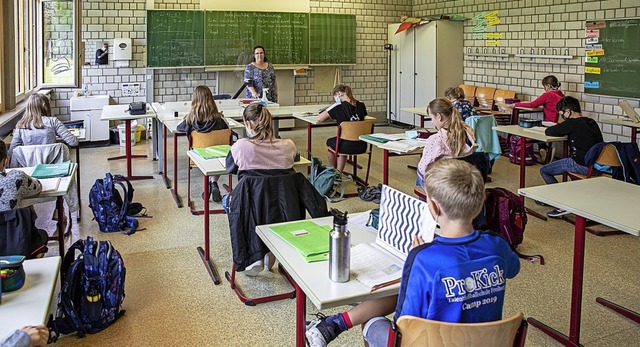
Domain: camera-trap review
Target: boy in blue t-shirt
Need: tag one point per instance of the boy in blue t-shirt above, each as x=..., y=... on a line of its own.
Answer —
x=459, y=277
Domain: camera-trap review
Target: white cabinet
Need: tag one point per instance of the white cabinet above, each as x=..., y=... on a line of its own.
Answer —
x=425, y=61
x=88, y=109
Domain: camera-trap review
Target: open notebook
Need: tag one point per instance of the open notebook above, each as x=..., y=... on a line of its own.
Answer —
x=402, y=216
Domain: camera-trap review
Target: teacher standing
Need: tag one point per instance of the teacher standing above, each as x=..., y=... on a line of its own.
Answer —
x=260, y=74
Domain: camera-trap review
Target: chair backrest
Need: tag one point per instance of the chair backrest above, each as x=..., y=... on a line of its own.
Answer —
x=32, y=155
x=352, y=130
x=424, y=332
x=212, y=138
x=608, y=157
x=469, y=93
x=484, y=96
x=501, y=95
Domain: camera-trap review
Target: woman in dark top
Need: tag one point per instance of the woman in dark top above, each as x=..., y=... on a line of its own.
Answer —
x=346, y=109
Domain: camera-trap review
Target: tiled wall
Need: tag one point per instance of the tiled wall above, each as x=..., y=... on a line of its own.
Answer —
x=528, y=26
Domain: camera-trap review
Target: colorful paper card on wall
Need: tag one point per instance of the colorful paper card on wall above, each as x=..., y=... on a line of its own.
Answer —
x=592, y=33
x=593, y=60
x=591, y=40
x=590, y=47
x=493, y=43
x=494, y=36
x=596, y=25
x=591, y=84
x=592, y=70
x=595, y=52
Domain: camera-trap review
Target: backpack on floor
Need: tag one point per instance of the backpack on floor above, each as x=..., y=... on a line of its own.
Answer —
x=92, y=289
x=504, y=214
x=109, y=209
x=327, y=180
x=515, y=151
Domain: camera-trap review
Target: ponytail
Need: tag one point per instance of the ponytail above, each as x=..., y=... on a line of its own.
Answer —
x=452, y=121
x=261, y=118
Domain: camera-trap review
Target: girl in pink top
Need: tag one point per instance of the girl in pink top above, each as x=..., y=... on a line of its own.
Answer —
x=454, y=139
x=548, y=99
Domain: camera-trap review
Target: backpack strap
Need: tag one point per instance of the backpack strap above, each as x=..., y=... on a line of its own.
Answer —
x=129, y=222
x=129, y=190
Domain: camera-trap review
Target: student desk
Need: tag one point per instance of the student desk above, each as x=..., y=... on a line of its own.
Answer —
x=515, y=111
x=524, y=135
x=390, y=153
x=618, y=212
x=312, y=279
x=420, y=111
x=210, y=167
x=311, y=118
x=29, y=305
x=120, y=113
x=625, y=122
x=63, y=189
x=283, y=112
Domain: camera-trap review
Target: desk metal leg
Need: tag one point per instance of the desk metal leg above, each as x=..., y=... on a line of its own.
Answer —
x=60, y=226
x=309, y=142
x=78, y=182
x=205, y=255
x=127, y=131
x=167, y=183
x=634, y=134
x=301, y=312
x=576, y=292
x=385, y=167
x=634, y=316
x=174, y=190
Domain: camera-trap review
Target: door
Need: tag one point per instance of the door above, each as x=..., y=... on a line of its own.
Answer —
x=406, y=73
x=425, y=65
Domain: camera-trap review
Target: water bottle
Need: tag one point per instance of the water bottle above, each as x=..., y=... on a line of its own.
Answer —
x=264, y=94
x=339, y=248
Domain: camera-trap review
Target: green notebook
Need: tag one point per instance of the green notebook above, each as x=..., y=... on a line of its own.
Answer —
x=373, y=138
x=52, y=170
x=218, y=151
x=310, y=239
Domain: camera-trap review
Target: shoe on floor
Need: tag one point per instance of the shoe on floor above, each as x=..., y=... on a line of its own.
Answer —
x=254, y=269
x=557, y=213
x=215, y=191
x=320, y=332
x=269, y=261
x=541, y=203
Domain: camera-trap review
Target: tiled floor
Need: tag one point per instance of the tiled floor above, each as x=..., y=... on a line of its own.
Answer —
x=171, y=301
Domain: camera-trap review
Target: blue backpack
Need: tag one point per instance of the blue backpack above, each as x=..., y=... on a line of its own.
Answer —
x=109, y=209
x=326, y=179
x=92, y=289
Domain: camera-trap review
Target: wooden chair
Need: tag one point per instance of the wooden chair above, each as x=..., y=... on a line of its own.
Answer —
x=469, y=93
x=203, y=140
x=414, y=331
x=484, y=98
x=351, y=131
x=609, y=157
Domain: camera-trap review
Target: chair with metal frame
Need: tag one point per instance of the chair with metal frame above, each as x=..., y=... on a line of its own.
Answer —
x=203, y=140
x=484, y=98
x=414, y=331
x=351, y=131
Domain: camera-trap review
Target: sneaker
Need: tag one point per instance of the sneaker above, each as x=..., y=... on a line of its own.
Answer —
x=541, y=203
x=215, y=192
x=543, y=155
x=557, y=213
x=320, y=332
x=269, y=261
x=254, y=269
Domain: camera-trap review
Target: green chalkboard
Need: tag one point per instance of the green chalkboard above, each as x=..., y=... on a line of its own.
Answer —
x=616, y=71
x=175, y=38
x=231, y=36
x=332, y=38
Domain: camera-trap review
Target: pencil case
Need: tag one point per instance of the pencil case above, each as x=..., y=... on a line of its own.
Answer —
x=12, y=272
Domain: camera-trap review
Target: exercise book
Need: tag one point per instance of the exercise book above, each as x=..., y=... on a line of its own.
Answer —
x=213, y=151
x=52, y=170
x=402, y=217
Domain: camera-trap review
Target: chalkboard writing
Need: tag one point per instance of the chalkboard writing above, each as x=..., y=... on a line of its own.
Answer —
x=332, y=39
x=613, y=69
x=231, y=36
x=175, y=38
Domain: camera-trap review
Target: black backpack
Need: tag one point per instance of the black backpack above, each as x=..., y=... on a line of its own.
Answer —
x=92, y=289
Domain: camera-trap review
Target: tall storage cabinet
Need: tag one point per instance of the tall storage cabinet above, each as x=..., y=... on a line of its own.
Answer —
x=425, y=61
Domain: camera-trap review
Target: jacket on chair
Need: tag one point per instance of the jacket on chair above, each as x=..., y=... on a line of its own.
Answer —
x=259, y=200
x=629, y=156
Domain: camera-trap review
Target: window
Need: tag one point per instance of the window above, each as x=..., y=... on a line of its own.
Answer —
x=24, y=38
x=59, y=44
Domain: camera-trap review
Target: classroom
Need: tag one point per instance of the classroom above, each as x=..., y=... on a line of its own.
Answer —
x=54, y=48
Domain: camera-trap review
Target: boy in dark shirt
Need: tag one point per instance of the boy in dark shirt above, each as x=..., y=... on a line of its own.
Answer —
x=582, y=133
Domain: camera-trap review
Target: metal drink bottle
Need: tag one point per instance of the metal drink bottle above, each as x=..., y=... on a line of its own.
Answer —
x=339, y=248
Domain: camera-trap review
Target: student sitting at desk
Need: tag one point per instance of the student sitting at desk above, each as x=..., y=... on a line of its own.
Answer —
x=582, y=133
x=346, y=109
x=260, y=154
x=15, y=185
x=548, y=99
x=454, y=139
x=204, y=117
x=457, y=98
x=38, y=127
x=433, y=275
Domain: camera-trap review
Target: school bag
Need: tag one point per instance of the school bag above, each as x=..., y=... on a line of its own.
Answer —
x=515, y=150
x=109, y=209
x=504, y=213
x=92, y=289
x=326, y=180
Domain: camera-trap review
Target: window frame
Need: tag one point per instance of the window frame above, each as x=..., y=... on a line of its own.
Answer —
x=24, y=39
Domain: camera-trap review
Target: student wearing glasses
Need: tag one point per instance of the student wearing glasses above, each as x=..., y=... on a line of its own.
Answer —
x=259, y=74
